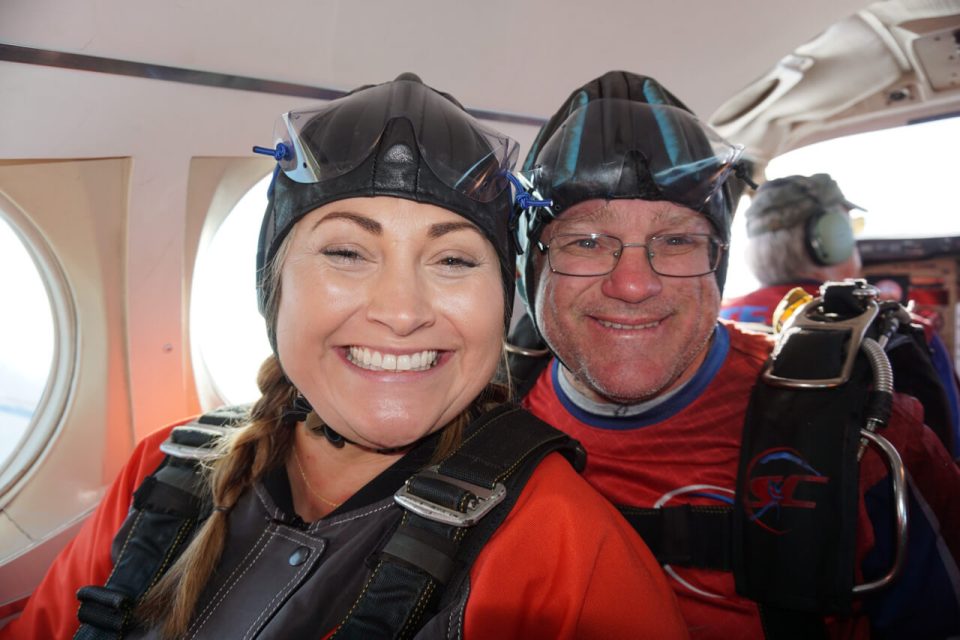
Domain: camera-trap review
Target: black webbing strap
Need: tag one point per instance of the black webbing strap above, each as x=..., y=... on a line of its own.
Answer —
x=165, y=515
x=786, y=624
x=421, y=547
x=104, y=613
x=167, y=507
x=228, y=416
x=701, y=537
x=686, y=535
x=795, y=514
x=423, y=565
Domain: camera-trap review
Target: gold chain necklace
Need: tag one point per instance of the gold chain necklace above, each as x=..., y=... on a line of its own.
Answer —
x=327, y=502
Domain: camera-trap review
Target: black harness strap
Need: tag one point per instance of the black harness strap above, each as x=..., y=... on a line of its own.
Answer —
x=423, y=566
x=686, y=535
x=702, y=537
x=170, y=505
x=789, y=624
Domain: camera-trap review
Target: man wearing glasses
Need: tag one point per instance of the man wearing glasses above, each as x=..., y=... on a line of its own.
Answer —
x=624, y=227
x=601, y=330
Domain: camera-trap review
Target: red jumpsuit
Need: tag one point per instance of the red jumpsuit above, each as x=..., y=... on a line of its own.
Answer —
x=686, y=451
x=562, y=565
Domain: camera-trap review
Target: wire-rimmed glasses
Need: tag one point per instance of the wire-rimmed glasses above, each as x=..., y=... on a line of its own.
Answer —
x=678, y=255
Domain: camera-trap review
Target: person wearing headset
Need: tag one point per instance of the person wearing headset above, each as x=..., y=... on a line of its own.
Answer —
x=801, y=235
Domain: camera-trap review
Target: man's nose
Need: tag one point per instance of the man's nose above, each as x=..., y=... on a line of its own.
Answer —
x=633, y=279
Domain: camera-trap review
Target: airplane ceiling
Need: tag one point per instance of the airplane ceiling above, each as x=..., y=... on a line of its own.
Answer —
x=516, y=57
x=891, y=63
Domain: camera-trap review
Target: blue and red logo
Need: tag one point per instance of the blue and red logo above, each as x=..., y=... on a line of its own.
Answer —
x=780, y=481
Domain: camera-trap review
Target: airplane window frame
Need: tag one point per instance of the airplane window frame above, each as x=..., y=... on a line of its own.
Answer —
x=51, y=407
x=213, y=390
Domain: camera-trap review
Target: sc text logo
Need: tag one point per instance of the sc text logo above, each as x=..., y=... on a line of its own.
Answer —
x=780, y=481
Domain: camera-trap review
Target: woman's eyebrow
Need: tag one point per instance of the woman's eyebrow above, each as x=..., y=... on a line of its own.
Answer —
x=439, y=229
x=366, y=223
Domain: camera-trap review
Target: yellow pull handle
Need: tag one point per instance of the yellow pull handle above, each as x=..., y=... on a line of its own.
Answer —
x=794, y=299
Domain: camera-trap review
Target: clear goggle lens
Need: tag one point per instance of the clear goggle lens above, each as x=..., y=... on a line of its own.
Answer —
x=328, y=142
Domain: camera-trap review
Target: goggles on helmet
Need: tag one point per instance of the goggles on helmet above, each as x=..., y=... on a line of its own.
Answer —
x=317, y=145
x=612, y=148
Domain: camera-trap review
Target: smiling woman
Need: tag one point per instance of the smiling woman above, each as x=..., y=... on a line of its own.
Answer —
x=370, y=284
x=380, y=459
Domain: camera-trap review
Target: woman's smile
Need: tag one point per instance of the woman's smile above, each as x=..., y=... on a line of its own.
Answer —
x=376, y=360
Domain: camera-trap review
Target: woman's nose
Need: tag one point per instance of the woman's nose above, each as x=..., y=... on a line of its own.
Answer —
x=401, y=300
x=633, y=279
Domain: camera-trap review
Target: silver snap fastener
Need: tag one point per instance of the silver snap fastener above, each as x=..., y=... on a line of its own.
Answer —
x=299, y=556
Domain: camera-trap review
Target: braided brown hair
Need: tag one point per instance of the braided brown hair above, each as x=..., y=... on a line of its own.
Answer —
x=247, y=453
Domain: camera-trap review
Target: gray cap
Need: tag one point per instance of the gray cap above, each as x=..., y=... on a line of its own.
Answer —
x=788, y=202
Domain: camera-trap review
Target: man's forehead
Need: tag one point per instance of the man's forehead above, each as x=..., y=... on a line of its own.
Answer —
x=656, y=212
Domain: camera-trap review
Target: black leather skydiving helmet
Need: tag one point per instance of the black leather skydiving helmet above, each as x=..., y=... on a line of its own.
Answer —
x=401, y=139
x=623, y=136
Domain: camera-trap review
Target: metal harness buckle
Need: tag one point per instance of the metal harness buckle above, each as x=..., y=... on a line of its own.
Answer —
x=484, y=500
x=191, y=452
x=805, y=320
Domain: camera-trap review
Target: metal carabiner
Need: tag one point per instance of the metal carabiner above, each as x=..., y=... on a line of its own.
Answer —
x=898, y=475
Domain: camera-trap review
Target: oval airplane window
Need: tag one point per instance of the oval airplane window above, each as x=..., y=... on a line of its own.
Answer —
x=228, y=332
x=37, y=331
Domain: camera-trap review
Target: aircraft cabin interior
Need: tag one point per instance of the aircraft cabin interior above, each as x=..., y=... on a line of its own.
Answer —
x=130, y=200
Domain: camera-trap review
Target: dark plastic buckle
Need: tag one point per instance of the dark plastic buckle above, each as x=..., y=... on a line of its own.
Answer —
x=485, y=500
x=190, y=452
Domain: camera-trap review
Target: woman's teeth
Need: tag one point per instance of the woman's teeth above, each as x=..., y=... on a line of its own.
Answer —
x=376, y=361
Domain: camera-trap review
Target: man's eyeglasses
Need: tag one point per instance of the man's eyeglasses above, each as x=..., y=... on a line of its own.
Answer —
x=679, y=255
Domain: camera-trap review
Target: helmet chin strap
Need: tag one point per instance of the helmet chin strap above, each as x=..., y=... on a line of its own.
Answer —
x=317, y=427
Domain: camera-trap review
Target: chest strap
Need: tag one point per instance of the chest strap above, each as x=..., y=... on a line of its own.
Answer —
x=686, y=535
x=169, y=505
x=701, y=537
x=452, y=509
